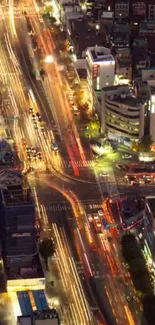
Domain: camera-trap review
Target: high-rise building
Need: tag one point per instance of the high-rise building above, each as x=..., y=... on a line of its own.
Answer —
x=17, y=211
x=100, y=67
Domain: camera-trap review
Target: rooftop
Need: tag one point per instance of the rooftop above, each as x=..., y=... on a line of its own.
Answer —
x=121, y=28
x=31, y=272
x=123, y=97
x=128, y=101
x=114, y=88
x=82, y=73
x=9, y=178
x=46, y=317
x=147, y=27
x=16, y=195
x=124, y=61
x=84, y=36
x=47, y=314
x=140, y=42
x=123, y=52
x=100, y=54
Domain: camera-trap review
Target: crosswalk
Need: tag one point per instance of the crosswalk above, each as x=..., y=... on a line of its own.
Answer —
x=77, y=163
x=61, y=207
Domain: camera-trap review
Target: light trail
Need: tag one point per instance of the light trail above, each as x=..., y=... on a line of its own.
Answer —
x=11, y=15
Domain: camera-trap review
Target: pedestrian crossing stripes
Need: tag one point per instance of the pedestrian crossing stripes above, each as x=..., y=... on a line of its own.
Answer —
x=60, y=207
x=77, y=163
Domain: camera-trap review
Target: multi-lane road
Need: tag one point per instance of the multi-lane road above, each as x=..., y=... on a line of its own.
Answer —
x=65, y=192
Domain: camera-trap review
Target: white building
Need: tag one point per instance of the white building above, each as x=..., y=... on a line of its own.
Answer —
x=122, y=115
x=100, y=66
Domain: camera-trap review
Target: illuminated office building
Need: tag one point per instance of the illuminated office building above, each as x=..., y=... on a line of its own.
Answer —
x=18, y=232
x=121, y=114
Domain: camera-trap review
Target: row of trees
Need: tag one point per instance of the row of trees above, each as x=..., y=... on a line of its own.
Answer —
x=141, y=277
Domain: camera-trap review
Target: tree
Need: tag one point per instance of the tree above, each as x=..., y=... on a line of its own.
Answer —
x=61, y=46
x=79, y=95
x=135, y=146
x=144, y=284
x=149, y=308
x=55, y=30
x=145, y=143
x=46, y=249
x=128, y=238
x=52, y=20
x=92, y=128
x=138, y=267
x=48, y=10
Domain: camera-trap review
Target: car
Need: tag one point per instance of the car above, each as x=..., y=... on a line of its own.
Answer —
x=95, y=216
x=33, y=150
x=104, y=174
x=33, y=116
x=40, y=155
x=31, y=110
x=127, y=156
x=54, y=146
x=38, y=116
x=100, y=213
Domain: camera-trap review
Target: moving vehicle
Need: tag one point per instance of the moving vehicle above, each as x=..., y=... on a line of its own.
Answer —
x=127, y=157
x=54, y=146
x=104, y=174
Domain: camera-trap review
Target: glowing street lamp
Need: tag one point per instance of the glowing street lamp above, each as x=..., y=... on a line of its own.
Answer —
x=49, y=59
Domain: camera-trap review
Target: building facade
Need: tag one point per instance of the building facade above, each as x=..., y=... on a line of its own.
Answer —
x=121, y=9
x=122, y=115
x=100, y=67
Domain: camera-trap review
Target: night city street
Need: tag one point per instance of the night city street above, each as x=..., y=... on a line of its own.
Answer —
x=88, y=165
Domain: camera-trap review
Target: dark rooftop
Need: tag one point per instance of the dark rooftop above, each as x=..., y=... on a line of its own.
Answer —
x=82, y=73
x=124, y=62
x=16, y=195
x=85, y=36
x=33, y=272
